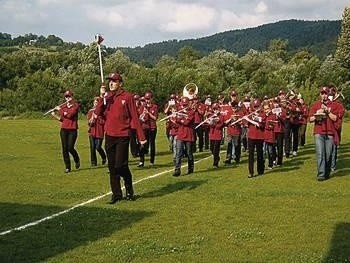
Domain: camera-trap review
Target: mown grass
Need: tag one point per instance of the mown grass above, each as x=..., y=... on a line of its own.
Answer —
x=214, y=215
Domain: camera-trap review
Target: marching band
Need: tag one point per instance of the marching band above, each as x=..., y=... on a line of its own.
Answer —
x=270, y=129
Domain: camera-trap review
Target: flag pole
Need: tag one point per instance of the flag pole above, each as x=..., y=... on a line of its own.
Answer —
x=99, y=40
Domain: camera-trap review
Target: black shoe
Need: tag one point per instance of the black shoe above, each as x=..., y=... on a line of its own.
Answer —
x=115, y=199
x=67, y=170
x=177, y=172
x=227, y=161
x=190, y=171
x=321, y=179
x=140, y=164
x=104, y=161
x=93, y=164
x=130, y=197
x=77, y=165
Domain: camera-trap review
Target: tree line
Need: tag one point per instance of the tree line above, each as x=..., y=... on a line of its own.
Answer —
x=33, y=78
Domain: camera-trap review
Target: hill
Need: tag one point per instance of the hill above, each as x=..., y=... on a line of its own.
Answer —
x=319, y=37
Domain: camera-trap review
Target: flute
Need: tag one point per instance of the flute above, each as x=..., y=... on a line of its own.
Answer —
x=53, y=109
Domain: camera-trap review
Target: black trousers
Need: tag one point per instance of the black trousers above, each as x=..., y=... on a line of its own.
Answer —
x=68, y=139
x=117, y=149
x=258, y=144
x=279, y=144
x=291, y=133
x=134, y=147
x=215, y=150
x=96, y=145
x=150, y=146
x=199, y=136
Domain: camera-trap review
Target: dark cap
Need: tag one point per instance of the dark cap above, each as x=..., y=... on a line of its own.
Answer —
x=68, y=93
x=115, y=76
x=233, y=93
x=148, y=95
x=324, y=89
x=256, y=103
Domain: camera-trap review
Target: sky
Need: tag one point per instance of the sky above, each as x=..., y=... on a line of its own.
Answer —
x=133, y=23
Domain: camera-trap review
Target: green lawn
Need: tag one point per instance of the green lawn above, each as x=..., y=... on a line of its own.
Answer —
x=214, y=215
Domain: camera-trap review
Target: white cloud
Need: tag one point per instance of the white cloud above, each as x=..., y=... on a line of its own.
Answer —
x=190, y=17
x=109, y=15
x=230, y=20
x=139, y=22
x=261, y=7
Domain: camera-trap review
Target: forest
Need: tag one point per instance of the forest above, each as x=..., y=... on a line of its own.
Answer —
x=289, y=55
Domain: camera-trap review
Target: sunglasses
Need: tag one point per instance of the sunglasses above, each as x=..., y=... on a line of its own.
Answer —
x=67, y=96
x=322, y=93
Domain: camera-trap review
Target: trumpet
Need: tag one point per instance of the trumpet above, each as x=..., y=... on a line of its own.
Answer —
x=53, y=109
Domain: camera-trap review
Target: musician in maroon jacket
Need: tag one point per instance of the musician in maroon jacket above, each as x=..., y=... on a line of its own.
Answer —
x=118, y=107
x=145, y=123
x=334, y=97
x=323, y=114
x=152, y=112
x=216, y=123
x=255, y=135
x=199, y=109
x=304, y=114
x=234, y=130
x=68, y=116
x=269, y=134
x=96, y=134
x=185, y=137
x=280, y=113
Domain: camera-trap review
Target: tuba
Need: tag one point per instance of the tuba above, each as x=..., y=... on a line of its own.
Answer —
x=190, y=90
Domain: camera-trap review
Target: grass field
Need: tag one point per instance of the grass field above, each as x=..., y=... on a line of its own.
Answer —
x=214, y=215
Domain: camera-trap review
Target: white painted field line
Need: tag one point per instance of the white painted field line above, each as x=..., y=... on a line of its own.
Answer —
x=37, y=222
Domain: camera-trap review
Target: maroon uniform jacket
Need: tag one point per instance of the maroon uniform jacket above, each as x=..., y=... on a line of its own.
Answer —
x=237, y=128
x=257, y=132
x=69, y=116
x=154, y=110
x=186, y=126
x=269, y=133
x=304, y=114
x=216, y=126
x=279, y=126
x=143, y=117
x=96, y=127
x=326, y=126
x=121, y=114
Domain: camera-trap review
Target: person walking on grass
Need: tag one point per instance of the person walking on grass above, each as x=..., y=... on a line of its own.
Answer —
x=67, y=114
x=118, y=107
x=185, y=136
x=96, y=134
x=255, y=133
x=216, y=123
x=323, y=114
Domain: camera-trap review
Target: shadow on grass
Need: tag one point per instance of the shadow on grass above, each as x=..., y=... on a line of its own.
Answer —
x=339, y=250
x=174, y=187
x=66, y=232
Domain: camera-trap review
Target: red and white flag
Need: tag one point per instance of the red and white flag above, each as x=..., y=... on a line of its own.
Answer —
x=99, y=39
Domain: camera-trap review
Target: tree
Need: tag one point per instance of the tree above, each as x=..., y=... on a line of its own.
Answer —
x=342, y=53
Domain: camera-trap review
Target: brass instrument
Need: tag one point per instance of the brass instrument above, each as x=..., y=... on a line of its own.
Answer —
x=190, y=90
